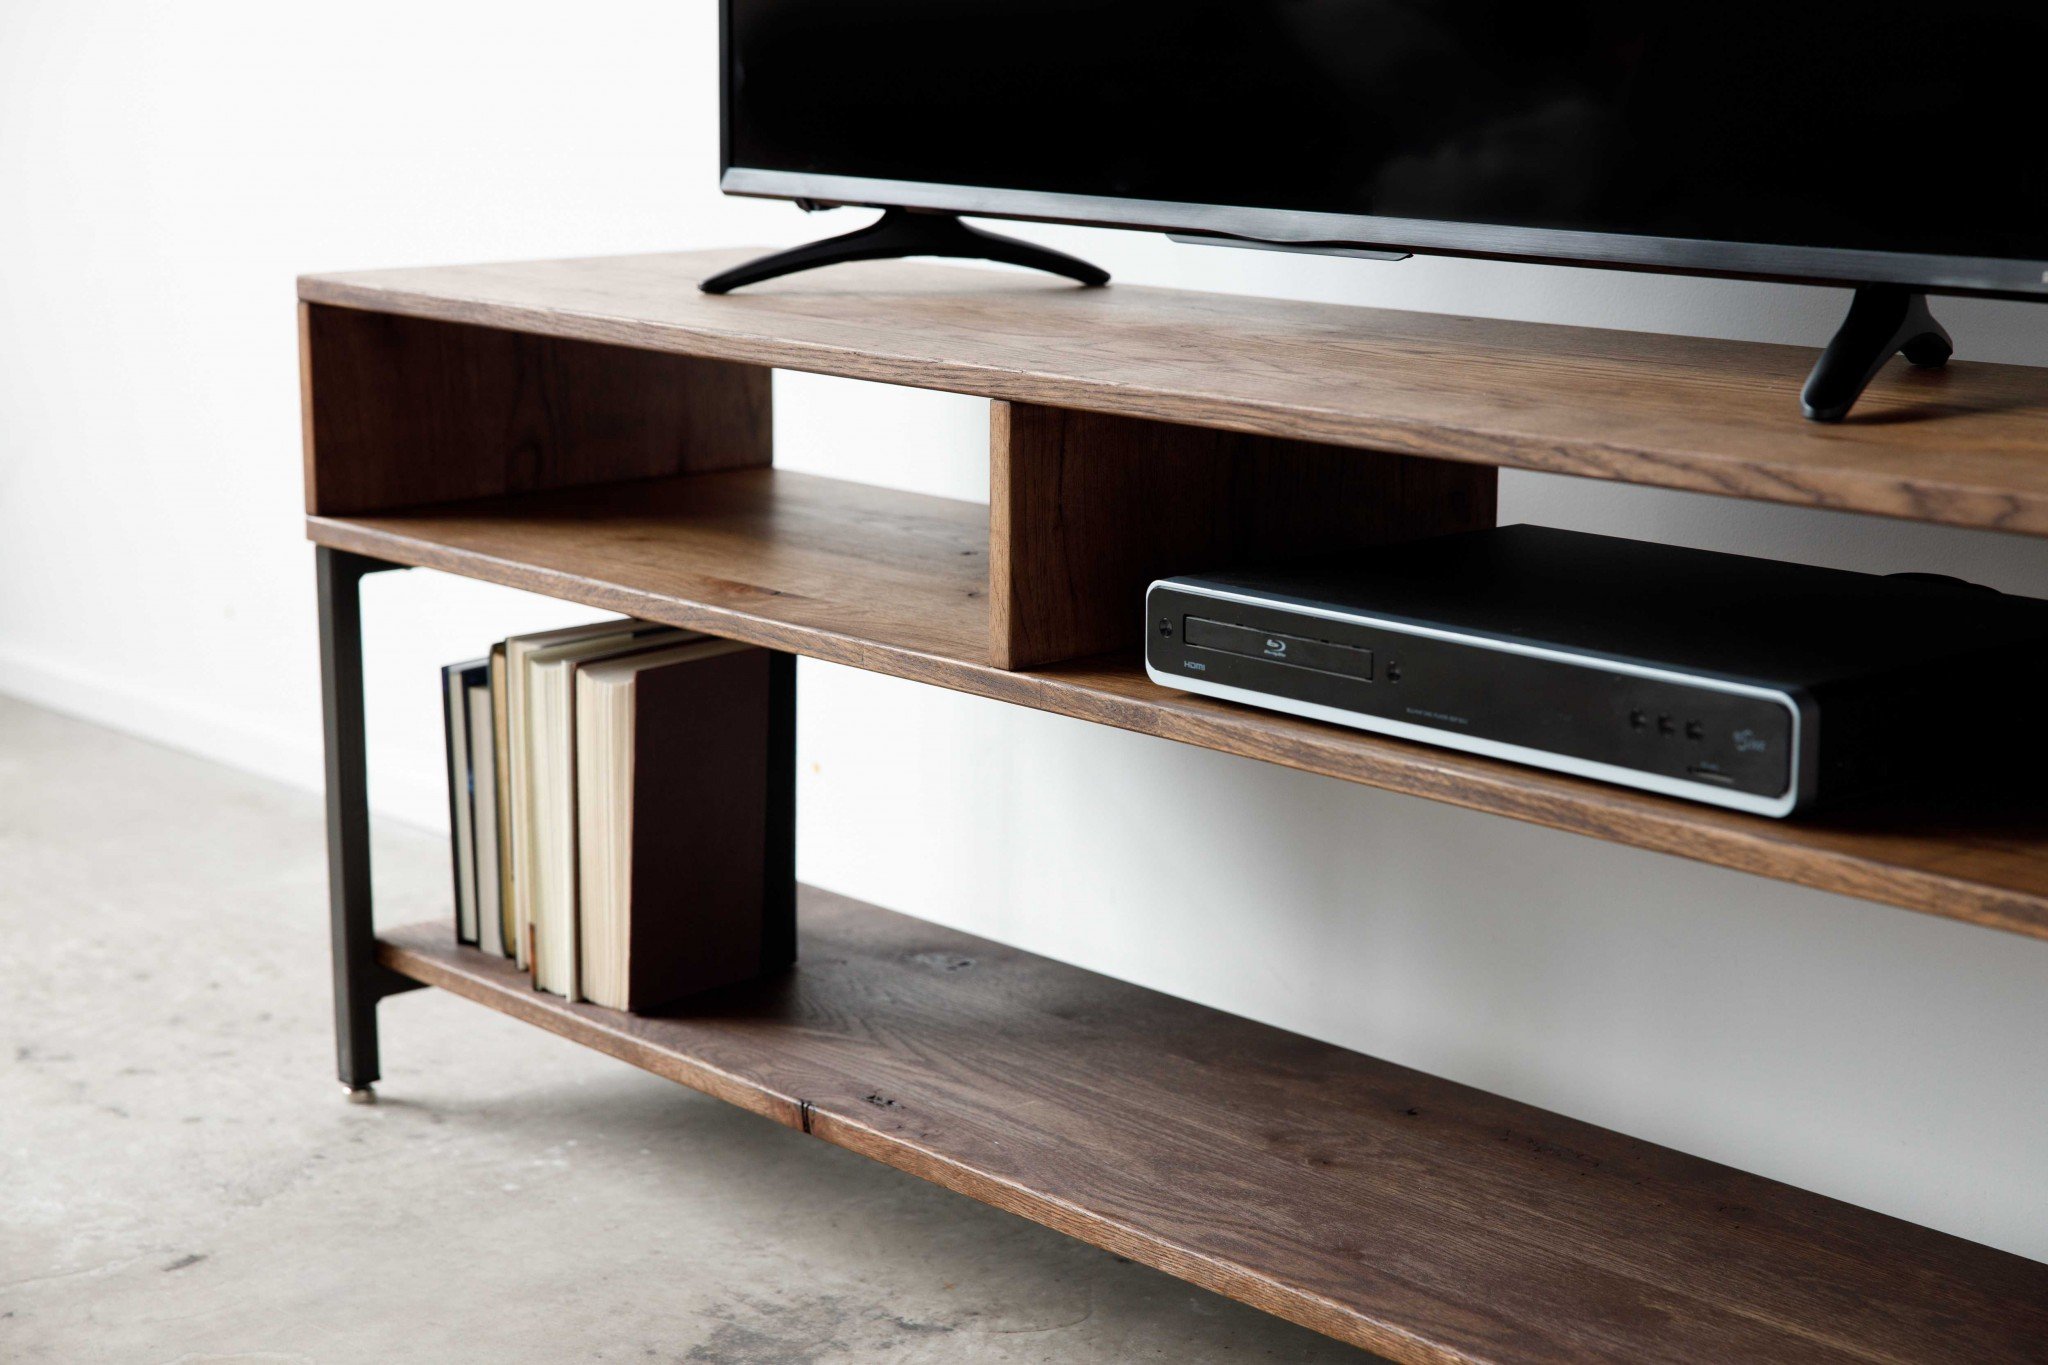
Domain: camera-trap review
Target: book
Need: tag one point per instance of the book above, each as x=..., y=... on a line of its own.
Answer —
x=547, y=865
x=455, y=683
x=672, y=757
x=517, y=753
x=501, y=750
x=483, y=802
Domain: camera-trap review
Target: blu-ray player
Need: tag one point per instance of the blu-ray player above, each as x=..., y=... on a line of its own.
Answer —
x=1747, y=683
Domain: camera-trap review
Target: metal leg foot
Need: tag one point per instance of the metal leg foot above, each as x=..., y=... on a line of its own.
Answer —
x=362, y=1094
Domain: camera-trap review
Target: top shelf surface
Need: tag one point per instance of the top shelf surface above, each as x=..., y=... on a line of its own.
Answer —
x=1965, y=446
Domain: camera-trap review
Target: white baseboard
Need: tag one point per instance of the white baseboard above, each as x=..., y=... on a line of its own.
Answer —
x=410, y=792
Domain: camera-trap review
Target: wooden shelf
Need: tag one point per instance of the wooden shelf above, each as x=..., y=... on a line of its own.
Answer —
x=601, y=432
x=823, y=567
x=1966, y=446
x=897, y=583
x=1417, y=1218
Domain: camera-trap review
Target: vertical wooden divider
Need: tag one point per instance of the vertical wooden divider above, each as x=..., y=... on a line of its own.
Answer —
x=1085, y=510
x=402, y=411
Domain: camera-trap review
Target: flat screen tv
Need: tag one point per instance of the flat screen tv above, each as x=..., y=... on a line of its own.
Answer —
x=1897, y=147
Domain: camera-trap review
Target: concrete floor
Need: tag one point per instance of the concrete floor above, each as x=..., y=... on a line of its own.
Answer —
x=180, y=1179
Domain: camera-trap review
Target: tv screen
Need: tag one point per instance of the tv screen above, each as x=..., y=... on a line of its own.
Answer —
x=1872, y=143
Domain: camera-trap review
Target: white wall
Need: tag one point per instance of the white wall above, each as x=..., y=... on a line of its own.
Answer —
x=166, y=170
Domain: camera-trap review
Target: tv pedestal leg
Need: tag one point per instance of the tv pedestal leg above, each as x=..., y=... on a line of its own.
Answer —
x=902, y=232
x=1884, y=319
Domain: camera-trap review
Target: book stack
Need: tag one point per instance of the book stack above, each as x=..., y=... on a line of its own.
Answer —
x=608, y=806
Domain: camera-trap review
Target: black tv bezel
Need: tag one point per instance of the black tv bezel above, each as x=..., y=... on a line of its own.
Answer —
x=1979, y=276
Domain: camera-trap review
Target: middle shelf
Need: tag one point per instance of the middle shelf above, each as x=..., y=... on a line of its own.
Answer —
x=898, y=583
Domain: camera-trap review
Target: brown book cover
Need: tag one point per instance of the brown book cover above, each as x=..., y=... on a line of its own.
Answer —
x=673, y=754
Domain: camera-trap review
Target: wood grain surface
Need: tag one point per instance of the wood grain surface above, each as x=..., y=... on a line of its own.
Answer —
x=896, y=583
x=816, y=566
x=1967, y=445
x=400, y=411
x=1412, y=1216
x=1086, y=510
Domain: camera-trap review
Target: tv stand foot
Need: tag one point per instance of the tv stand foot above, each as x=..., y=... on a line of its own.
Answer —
x=899, y=233
x=362, y=1094
x=1884, y=319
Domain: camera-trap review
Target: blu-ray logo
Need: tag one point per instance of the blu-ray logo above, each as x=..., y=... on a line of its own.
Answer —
x=1747, y=742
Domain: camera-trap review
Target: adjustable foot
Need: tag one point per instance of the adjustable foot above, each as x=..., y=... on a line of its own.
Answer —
x=1884, y=319
x=899, y=233
x=362, y=1094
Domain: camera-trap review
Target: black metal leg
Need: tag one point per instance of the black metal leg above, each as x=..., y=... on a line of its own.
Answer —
x=359, y=980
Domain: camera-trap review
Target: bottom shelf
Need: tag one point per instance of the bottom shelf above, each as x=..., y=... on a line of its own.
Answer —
x=1415, y=1217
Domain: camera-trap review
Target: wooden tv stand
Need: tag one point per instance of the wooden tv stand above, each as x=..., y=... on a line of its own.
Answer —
x=598, y=431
